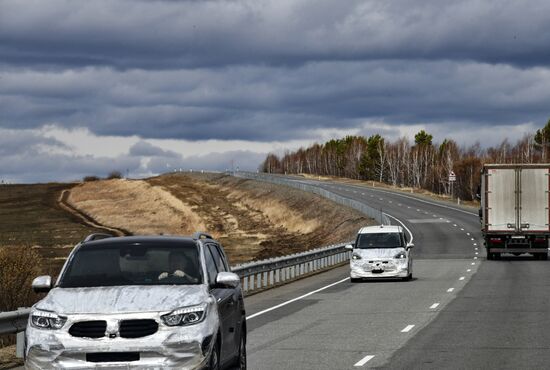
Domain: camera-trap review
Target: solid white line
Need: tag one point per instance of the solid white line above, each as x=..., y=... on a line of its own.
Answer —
x=434, y=306
x=450, y=290
x=364, y=360
x=461, y=278
x=295, y=299
x=402, y=224
x=407, y=329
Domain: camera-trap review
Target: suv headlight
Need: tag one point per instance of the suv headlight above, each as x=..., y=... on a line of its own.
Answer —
x=47, y=320
x=355, y=257
x=186, y=316
x=400, y=255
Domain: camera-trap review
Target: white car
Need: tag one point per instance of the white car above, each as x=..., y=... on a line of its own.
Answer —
x=381, y=252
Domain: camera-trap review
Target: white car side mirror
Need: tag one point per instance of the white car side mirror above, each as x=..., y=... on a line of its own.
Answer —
x=410, y=245
x=349, y=247
x=228, y=279
x=42, y=284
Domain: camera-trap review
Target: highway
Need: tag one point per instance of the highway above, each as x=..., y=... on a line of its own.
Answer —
x=460, y=311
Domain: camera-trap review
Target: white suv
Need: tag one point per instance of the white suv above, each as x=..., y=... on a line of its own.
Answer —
x=381, y=252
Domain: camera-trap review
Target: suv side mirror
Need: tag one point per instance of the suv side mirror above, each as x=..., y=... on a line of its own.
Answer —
x=349, y=247
x=227, y=279
x=42, y=284
x=409, y=246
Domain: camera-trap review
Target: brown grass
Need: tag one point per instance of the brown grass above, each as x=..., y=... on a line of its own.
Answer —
x=135, y=206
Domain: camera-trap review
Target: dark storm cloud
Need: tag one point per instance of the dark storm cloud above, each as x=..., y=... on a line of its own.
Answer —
x=176, y=34
x=267, y=103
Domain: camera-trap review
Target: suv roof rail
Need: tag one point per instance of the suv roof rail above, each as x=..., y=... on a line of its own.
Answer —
x=201, y=235
x=97, y=236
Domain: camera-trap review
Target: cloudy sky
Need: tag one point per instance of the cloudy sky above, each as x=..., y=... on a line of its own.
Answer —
x=147, y=86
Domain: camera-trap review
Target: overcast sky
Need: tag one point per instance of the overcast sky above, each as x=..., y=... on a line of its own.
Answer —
x=87, y=87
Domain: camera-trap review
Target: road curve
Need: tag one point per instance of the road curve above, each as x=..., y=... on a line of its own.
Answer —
x=346, y=325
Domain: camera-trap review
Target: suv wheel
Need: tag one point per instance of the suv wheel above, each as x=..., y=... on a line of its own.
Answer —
x=241, y=360
x=214, y=360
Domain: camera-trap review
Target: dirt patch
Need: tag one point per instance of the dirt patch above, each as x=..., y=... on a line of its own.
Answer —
x=135, y=206
x=253, y=220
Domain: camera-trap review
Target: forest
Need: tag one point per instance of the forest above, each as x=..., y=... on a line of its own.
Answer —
x=418, y=163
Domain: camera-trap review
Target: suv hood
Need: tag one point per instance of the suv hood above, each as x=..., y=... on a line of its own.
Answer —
x=374, y=253
x=122, y=299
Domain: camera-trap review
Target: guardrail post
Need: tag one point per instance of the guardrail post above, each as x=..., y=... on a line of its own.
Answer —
x=277, y=276
x=265, y=282
x=20, y=345
x=259, y=281
x=271, y=277
x=245, y=283
x=251, y=277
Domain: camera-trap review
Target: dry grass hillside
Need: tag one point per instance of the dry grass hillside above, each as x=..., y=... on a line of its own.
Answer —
x=253, y=220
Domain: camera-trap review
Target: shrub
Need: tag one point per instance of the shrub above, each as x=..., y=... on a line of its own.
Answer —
x=18, y=267
x=114, y=175
x=90, y=178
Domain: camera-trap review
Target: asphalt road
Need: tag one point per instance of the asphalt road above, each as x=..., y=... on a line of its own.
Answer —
x=374, y=324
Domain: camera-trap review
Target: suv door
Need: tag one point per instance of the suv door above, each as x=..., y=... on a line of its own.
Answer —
x=228, y=307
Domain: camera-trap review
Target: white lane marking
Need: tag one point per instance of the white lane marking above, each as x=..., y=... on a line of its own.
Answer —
x=468, y=234
x=477, y=253
x=390, y=201
x=381, y=198
x=475, y=258
x=407, y=329
x=472, y=239
x=461, y=229
x=364, y=360
x=417, y=210
x=399, y=204
x=402, y=224
x=448, y=221
x=434, y=215
x=434, y=306
x=455, y=225
x=461, y=278
x=450, y=290
x=295, y=299
x=362, y=193
x=469, y=270
x=475, y=243
x=473, y=263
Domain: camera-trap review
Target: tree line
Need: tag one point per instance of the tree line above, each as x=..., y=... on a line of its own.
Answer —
x=421, y=164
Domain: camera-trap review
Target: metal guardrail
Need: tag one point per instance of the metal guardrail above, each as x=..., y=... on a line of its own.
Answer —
x=374, y=213
x=274, y=271
x=14, y=321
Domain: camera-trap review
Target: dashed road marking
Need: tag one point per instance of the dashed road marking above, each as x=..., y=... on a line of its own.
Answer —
x=461, y=278
x=475, y=258
x=468, y=234
x=455, y=225
x=461, y=229
x=469, y=270
x=434, y=306
x=407, y=329
x=473, y=263
x=450, y=290
x=364, y=360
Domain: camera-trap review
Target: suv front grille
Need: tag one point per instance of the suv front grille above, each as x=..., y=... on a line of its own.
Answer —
x=89, y=329
x=137, y=328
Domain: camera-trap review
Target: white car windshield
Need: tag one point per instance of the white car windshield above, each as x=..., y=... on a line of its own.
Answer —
x=379, y=240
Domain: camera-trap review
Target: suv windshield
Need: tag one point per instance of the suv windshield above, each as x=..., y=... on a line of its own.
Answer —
x=378, y=240
x=132, y=264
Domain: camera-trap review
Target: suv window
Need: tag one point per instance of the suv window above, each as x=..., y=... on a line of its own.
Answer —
x=145, y=263
x=211, y=268
x=218, y=259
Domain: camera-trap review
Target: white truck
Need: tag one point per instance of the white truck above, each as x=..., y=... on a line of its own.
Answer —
x=515, y=209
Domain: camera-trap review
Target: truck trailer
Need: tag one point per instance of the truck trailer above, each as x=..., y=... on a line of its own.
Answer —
x=515, y=209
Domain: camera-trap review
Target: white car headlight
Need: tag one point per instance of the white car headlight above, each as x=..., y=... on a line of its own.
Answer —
x=47, y=320
x=186, y=316
x=400, y=255
x=355, y=257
